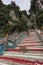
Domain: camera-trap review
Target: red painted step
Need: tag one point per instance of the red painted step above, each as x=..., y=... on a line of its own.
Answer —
x=30, y=42
x=21, y=61
x=19, y=50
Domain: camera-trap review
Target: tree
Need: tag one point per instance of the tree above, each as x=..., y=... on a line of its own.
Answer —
x=17, y=25
x=39, y=19
x=1, y=3
x=35, y=6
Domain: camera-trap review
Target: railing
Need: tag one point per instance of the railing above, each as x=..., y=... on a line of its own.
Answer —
x=10, y=44
x=39, y=36
x=13, y=44
x=1, y=48
x=20, y=38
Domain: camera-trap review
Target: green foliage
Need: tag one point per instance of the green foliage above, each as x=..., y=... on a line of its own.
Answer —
x=37, y=12
x=5, y=27
x=33, y=7
x=39, y=19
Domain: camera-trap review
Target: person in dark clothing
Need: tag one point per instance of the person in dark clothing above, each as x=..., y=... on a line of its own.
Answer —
x=32, y=28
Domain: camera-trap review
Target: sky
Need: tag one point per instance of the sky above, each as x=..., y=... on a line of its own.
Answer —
x=23, y=4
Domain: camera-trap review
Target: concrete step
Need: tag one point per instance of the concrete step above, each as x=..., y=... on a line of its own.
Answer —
x=23, y=55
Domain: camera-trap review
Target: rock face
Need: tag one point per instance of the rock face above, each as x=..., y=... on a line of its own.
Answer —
x=12, y=15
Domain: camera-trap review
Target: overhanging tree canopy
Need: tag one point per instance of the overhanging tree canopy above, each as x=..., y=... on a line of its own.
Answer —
x=39, y=19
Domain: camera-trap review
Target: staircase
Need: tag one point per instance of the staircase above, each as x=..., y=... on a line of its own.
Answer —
x=29, y=51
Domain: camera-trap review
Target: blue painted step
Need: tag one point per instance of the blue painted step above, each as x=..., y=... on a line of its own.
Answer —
x=1, y=48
